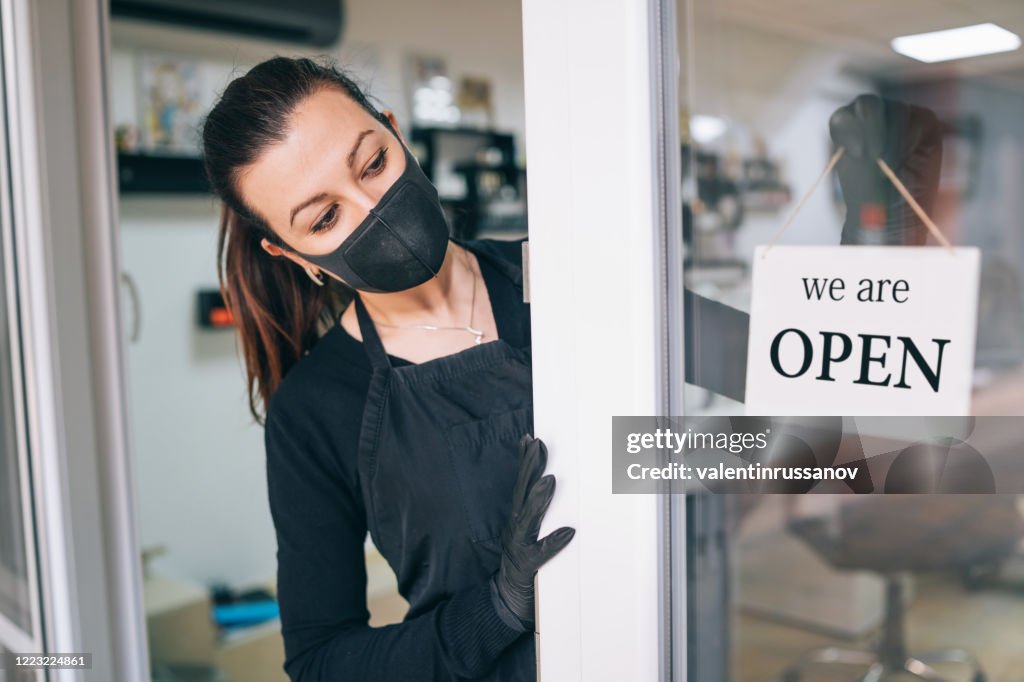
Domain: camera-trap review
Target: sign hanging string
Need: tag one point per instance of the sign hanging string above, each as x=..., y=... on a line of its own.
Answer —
x=887, y=171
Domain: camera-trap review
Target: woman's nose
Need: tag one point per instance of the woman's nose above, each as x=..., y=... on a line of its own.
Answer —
x=363, y=200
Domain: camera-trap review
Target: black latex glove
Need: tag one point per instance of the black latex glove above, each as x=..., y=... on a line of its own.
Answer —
x=909, y=139
x=522, y=553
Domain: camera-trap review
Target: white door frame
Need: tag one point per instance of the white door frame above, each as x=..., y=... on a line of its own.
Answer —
x=44, y=486
x=600, y=115
x=16, y=637
x=56, y=55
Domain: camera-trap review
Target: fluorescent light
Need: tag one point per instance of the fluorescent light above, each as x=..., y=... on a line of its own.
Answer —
x=705, y=129
x=956, y=43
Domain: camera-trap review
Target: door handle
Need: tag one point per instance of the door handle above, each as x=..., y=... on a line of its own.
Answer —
x=136, y=304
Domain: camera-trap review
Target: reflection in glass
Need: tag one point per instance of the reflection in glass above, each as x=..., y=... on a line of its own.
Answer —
x=782, y=584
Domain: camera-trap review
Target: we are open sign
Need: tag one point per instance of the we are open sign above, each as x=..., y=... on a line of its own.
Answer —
x=862, y=330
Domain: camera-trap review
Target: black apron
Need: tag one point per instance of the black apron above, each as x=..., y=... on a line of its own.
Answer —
x=438, y=461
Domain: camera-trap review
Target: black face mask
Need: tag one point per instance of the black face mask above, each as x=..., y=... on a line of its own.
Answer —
x=400, y=244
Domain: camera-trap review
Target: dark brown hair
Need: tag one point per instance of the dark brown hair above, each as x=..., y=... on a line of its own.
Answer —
x=278, y=310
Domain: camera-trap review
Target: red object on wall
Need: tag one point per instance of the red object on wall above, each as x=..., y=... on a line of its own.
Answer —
x=213, y=313
x=221, y=317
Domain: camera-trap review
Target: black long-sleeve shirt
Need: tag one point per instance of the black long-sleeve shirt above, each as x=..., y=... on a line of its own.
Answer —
x=312, y=435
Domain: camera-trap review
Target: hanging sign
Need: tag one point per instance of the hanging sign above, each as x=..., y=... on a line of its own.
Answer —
x=862, y=330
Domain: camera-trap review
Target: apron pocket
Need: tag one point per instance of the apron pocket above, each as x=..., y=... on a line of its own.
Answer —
x=484, y=455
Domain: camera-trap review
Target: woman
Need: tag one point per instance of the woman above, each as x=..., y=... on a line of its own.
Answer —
x=406, y=415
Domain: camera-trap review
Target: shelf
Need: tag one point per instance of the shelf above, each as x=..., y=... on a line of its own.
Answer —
x=160, y=174
x=458, y=130
x=478, y=167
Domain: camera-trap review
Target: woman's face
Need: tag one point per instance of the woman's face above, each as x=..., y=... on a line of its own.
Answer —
x=316, y=186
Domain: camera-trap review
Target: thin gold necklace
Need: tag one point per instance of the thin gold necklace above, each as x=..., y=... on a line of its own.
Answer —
x=477, y=334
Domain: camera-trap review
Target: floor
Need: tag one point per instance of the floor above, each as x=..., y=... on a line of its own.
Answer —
x=988, y=622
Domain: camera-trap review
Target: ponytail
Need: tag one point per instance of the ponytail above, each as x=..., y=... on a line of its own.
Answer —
x=278, y=310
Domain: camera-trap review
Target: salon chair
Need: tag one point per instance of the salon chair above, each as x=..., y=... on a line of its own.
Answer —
x=893, y=535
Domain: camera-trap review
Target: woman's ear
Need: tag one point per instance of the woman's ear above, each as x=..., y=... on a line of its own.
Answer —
x=390, y=116
x=275, y=250
x=272, y=249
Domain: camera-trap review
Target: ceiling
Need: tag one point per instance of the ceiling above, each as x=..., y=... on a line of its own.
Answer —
x=747, y=55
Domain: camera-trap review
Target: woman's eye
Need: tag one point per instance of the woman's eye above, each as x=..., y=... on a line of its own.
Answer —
x=378, y=163
x=327, y=221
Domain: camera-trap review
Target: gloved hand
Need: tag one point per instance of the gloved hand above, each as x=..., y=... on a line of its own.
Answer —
x=909, y=139
x=522, y=553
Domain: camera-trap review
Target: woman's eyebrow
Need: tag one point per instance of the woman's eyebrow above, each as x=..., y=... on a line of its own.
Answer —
x=355, y=148
x=304, y=204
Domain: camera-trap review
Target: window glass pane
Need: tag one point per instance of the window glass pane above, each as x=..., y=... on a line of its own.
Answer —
x=14, y=595
x=760, y=83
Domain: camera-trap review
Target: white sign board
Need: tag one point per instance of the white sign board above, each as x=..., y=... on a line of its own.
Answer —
x=862, y=330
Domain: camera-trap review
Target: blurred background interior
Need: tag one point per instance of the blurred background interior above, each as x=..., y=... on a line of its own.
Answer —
x=822, y=587
x=758, y=82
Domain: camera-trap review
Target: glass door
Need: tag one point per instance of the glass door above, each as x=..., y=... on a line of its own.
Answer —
x=767, y=93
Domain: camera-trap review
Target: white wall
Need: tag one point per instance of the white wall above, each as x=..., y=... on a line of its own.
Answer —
x=200, y=465
x=199, y=456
